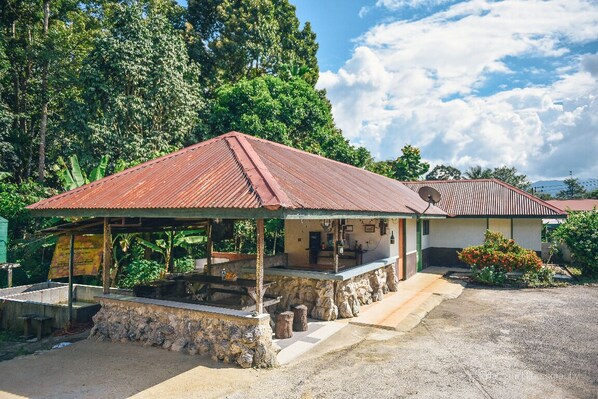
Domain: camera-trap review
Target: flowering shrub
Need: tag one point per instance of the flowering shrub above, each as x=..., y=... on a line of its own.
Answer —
x=502, y=254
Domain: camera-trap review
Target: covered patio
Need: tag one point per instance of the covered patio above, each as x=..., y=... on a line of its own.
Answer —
x=347, y=235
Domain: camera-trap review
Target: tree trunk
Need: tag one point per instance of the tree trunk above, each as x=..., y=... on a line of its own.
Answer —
x=44, y=110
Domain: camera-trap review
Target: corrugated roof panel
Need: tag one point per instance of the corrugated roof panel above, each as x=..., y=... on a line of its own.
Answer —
x=486, y=197
x=575, y=205
x=236, y=171
x=314, y=182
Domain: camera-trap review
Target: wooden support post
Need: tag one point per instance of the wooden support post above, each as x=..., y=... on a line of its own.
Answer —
x=9, y=270
x=335, y=225
x=71, y=270
x=209, y=248
x=259, y=267
x=107, y=256
x=170, y=266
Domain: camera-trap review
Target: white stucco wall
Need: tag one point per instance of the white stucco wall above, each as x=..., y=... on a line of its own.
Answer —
x=460, y=233
x=411, y=230
x=500, y=225
x=528, y=233
x=456, y=233
x=426, y=240
x=377, y=246
x=296, y=239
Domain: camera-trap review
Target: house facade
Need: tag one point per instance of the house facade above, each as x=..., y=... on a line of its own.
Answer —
x=474, y=206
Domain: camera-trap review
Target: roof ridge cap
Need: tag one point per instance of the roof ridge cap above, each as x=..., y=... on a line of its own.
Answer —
x=293, y=149
x=262, y=181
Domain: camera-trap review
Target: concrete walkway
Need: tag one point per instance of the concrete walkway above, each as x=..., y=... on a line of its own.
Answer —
x=416, y=297
x=399, y=311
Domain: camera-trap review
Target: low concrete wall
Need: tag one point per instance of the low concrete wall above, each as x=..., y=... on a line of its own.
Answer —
x=444, y=257
x=48, y=299
x=224, y=334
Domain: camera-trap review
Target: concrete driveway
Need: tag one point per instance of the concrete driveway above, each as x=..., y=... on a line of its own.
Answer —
x=487, y=343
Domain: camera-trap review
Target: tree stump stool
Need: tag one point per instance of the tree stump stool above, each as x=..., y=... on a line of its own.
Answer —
x=300, y=318
x=284, y=325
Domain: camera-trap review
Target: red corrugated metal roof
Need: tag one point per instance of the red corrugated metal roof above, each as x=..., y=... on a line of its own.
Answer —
x=237, y=171
x=575, y=205
x=486, y=197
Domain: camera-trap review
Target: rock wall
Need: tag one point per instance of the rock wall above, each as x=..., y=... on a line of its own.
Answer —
x=329, y=299
x=246, y=341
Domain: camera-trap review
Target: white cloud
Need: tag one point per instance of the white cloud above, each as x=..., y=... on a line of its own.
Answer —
x=417, y=82
x=398, y=4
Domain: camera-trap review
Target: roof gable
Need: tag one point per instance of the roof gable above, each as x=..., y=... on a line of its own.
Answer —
x=237, y=171
x=486, y=198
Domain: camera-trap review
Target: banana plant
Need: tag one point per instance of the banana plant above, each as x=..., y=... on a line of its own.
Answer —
x=73, y=177
x=164, y=246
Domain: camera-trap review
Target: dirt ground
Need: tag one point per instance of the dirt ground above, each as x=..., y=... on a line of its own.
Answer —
x=488, y=343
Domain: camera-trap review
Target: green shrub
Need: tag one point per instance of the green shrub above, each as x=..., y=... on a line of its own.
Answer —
x=184, y=265
x=580, y=233
x=141, y=271
x=539, y=278
x=501, y=253
x=490, y=275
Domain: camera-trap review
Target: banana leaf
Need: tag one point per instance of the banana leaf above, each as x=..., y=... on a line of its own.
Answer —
x=150, y=245
x=100, y=171
x=77, y=173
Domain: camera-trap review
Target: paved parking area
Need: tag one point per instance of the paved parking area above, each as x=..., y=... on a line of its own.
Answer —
x=487, y=343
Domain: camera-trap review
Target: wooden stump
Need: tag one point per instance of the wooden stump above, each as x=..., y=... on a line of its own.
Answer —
x=300, y=318
x=284, y=325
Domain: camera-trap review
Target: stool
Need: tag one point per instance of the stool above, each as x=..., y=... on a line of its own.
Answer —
x=284, y=325
x=42, y=322
x=300, y=318
x=26, y=324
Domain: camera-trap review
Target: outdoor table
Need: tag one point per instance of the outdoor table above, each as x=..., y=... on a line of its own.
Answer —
x=248, y=286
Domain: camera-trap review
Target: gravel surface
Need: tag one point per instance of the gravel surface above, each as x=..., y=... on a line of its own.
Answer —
x=487, y=343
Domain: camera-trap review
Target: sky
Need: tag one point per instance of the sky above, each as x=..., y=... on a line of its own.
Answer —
x=510, y=83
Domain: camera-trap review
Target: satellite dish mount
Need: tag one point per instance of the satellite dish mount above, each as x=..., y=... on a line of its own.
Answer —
x=430, y=195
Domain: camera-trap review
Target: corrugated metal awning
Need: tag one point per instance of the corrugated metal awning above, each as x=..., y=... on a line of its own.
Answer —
x=239, y=176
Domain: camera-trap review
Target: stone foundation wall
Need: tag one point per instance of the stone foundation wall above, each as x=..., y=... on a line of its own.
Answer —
x=246, y=341
x=330, y=299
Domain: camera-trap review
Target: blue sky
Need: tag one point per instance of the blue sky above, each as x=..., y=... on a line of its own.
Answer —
x=510, y=82
x=469, y=82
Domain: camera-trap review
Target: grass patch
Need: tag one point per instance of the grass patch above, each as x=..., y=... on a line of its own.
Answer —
x=8, y=336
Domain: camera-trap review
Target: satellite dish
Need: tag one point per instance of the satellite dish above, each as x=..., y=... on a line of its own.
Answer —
x=429, y=194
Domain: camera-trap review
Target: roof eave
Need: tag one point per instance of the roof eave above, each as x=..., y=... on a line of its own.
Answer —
x=228, y=213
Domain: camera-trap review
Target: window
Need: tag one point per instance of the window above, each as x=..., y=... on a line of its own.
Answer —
x=426, y=228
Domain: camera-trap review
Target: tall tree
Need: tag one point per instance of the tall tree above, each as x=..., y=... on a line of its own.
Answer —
x=477, y=172
x=46, y=42
x=511, y=176
x=7, y=153
x=507, y=174
x=238, y=39
x=444, y=172
x=43, y=125
x=141, y=91
x=409, y=166
x=574, y=190
x=290, y=112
